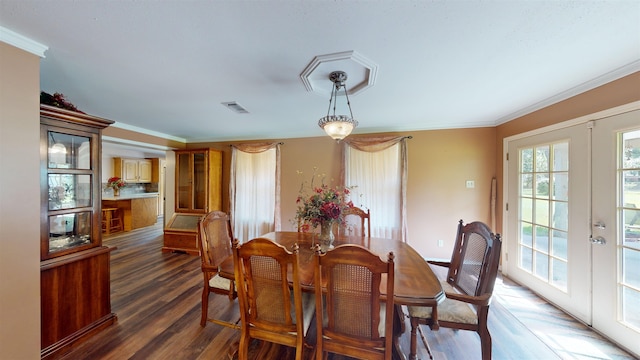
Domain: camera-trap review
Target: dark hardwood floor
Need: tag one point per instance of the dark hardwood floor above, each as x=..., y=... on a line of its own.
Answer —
x=156, y=297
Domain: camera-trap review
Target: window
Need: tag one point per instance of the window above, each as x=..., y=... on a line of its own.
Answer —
x=254, y=190
x=377, y=167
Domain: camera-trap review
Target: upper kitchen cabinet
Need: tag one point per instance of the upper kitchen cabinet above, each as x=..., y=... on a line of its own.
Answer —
x=136, y=170
x=198, y=181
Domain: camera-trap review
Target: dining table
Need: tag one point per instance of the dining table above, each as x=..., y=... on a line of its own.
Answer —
x=415, y=283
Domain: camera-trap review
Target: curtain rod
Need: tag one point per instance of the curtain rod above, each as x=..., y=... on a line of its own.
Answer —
x=280, y=143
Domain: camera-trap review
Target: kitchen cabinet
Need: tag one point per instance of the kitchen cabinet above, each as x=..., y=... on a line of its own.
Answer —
x=75, y=299
x=198, y=181
x=138, y=210
x=134, y=170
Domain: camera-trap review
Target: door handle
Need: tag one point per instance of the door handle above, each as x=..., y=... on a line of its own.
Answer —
x=599, y=225
x=598, y=240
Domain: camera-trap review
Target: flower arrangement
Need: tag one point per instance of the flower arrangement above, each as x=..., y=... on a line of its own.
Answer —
x=116, y=183
x=58, y=100
x=319, y=204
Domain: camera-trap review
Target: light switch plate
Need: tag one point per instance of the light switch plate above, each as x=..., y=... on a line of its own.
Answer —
x=471, y=184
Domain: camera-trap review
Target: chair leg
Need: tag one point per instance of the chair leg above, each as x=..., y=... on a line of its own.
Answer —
x=426, y=344
x=415, y=328
x=485, y=343
x=205, y=306
x=232, y=291
x=413, y=349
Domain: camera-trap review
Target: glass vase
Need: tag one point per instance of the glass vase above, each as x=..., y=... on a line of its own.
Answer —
x=326, y=237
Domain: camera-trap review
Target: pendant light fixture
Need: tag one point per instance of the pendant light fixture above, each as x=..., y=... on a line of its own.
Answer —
x=338, y=126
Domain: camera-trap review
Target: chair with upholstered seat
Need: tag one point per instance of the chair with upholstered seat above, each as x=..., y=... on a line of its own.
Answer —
x=468, y=288
x=215, y=241
x=353, y=222
x=355, y=321
x=271, y=309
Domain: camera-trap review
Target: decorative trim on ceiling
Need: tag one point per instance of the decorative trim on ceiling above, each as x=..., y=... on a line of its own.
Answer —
x=22, y=42
x=124, y=126
x=362, y=72
x=576, y=90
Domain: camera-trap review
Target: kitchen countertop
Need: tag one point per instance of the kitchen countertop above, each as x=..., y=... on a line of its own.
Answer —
x=130, y=196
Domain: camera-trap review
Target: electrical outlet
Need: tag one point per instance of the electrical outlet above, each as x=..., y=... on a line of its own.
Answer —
x=440, y=243
x=471, y=184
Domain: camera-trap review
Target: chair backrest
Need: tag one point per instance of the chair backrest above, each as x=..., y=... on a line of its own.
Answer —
x=352, y=307
x=354, y=220
x=215, y=238
x=264, y=292
x=474, y=263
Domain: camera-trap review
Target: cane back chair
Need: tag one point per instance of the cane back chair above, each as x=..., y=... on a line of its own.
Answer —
x=270, y=308
x=215, y=241
x=468, y=288
x=354, y=222
x=351, y=318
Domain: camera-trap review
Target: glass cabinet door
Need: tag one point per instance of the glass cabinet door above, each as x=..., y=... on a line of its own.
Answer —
x=192, y=181
x=69, y=230
x=69, y=190
x=183, y=183
x=199, y=181
x=66, y=151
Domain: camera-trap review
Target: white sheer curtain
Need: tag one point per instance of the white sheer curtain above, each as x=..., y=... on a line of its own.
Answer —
x=254, y=190
x=377, y=167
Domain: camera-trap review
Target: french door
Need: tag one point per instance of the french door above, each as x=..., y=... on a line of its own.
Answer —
x=616, y=228
x=573, y=221
x=547, y=243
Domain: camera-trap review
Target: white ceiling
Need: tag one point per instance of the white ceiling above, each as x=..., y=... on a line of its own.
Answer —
x=167, y=66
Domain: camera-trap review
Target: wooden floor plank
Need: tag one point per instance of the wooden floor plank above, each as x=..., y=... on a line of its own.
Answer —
x=157, y=296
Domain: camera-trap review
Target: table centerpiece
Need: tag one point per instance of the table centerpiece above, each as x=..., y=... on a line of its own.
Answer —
x=323, y=206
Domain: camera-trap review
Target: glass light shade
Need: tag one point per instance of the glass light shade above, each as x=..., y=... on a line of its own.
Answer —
x=57, y=154
x=337, y=126
x=58, y=148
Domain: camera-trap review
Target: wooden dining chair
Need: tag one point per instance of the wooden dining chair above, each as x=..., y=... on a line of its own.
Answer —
x=353, y=223
x=271, y=309
x=215, y=241
x=468, y=288
x=355, y=320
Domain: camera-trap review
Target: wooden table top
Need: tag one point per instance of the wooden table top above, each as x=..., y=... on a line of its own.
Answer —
x=415, y=282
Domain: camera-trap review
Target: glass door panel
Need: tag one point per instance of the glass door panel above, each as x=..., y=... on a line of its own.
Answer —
x=199, y=181
x=67, y=191
x=629, y=215
x=69, y=230
x=183, y=193
x=544, y=212
x=66, y=151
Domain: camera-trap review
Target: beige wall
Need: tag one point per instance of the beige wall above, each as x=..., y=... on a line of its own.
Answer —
x=19, y=204
x=440, y=162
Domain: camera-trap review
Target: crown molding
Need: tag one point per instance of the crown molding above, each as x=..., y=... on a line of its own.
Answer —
x=584, y=87
x=148, y=132
x=22, y=42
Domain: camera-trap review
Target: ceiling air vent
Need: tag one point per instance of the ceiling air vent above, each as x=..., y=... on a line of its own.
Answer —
x=234, y=106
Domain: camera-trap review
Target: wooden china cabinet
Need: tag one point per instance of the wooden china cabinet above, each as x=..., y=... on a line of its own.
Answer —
x=198, y=191
x=74, y=267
